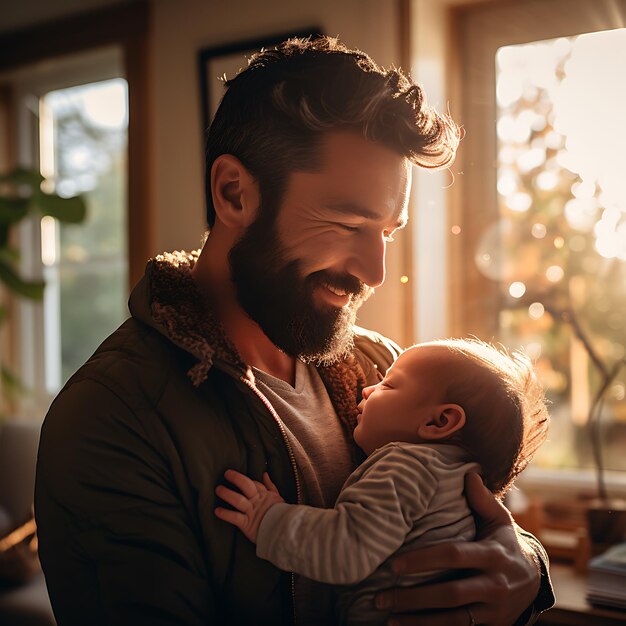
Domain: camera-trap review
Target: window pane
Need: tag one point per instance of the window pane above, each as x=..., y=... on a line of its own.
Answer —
x=84, y=140
x=93, y=304
x=559, y=250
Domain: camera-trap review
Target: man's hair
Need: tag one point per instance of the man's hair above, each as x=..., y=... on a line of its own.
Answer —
x=274, y=113
x=506, y=414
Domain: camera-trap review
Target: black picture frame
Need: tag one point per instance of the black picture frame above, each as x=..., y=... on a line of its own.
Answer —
x=228, y=59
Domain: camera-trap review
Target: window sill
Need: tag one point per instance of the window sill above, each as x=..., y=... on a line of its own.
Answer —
x=568, y=482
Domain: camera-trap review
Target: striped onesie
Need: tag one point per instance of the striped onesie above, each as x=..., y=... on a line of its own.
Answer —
x=403, y=496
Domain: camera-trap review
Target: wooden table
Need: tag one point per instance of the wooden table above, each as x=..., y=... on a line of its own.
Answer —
x=571, y=608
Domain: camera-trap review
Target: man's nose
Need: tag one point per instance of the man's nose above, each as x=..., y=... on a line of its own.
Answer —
x=367, y=262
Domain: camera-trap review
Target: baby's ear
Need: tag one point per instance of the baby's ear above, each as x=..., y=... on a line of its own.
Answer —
x=444, y=421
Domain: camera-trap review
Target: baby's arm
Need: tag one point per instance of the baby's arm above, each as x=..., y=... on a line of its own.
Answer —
x=343, y=545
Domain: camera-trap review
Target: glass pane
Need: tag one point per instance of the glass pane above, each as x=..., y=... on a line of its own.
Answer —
x=84, y=151
x=559, y=250
x=93, y=304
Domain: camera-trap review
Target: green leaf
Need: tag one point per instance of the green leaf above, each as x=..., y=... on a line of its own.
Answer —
x=13, y=209
x=71, y=210
x=28, y=289
x=9, y=255
x=11, y=384
x=23, y=176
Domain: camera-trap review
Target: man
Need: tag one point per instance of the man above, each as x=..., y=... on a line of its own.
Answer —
x=246, y=357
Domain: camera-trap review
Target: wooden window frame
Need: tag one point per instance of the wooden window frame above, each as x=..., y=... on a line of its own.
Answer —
x=127, y=26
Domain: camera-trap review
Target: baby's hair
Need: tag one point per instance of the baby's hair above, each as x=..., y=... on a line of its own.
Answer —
x=505, y=406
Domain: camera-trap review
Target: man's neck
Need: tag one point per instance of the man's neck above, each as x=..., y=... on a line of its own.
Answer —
x=253, y=345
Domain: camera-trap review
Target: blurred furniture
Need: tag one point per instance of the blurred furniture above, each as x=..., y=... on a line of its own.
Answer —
x=23, y=594
x=571, y=608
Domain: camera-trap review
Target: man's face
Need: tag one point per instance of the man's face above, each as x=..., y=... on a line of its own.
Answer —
x=303, y=275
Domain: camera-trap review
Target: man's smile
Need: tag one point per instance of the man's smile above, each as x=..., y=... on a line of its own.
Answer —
x=335, y=296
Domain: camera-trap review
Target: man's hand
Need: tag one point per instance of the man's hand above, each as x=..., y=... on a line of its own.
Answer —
x=252, y=503
x=502, y=583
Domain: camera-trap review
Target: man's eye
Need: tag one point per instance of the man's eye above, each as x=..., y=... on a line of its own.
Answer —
x=350, y=229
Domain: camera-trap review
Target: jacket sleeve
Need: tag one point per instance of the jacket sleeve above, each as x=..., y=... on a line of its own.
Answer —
x=370, y=521
x=116, y=543
x=545, y=598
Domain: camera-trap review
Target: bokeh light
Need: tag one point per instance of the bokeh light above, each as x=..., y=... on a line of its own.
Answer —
x=517, y=289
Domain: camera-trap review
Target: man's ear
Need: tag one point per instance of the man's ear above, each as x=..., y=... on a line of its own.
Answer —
x=444, y=420
x=235, y=192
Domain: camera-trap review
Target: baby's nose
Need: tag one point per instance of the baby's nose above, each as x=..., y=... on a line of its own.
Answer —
x=366, y=392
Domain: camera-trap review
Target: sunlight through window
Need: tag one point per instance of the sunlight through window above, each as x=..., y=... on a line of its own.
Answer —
x=559, y=251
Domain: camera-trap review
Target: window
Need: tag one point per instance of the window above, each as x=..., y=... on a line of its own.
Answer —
x=538, y=248
x=72, y=123
x=558, y=252
x=83, y=140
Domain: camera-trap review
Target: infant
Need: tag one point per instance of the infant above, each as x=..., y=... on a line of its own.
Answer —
x=444, y=408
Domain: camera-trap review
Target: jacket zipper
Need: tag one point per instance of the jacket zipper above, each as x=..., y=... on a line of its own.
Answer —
x=292, y=458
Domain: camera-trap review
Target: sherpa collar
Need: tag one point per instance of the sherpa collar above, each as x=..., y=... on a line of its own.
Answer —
x=178, y=310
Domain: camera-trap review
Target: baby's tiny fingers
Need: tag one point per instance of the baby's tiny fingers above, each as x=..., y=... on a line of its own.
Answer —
x=242, y=482
x=233, y=498
x=267, y=481
x=232, y=517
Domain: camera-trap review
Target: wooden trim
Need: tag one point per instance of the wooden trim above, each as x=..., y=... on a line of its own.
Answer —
x=7, y=134
x=141, y=224
x=8, y=338
x=117, y=24
x=128, y=26
x=404, y=32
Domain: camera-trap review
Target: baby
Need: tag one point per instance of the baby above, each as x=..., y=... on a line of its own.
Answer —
x=444, y=408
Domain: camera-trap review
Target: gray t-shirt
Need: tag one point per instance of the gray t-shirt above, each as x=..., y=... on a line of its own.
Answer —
x=323, y=454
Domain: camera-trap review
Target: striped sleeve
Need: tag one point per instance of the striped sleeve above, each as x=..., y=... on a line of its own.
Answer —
x=369, y=522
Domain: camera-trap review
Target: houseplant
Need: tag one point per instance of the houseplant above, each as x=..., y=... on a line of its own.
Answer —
x=21, y=196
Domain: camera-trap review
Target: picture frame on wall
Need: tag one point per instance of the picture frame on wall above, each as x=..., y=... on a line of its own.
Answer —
x=226, y=60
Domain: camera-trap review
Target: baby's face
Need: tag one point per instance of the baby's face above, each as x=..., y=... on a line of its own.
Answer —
x=393, y=409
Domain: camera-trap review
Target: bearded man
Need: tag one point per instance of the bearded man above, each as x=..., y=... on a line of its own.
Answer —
x=246, y=356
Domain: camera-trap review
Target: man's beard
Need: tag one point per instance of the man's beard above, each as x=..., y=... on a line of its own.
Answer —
x=275, y=294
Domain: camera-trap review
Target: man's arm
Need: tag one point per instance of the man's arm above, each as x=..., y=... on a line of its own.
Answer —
x=115, y=540
x=508, y=583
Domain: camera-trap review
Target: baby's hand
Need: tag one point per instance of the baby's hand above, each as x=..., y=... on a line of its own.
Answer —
x=252, y=503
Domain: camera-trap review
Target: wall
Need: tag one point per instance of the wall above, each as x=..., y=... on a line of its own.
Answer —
x=181, y=29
